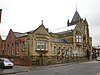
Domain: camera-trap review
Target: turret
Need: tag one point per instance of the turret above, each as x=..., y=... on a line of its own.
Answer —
x=76, y=18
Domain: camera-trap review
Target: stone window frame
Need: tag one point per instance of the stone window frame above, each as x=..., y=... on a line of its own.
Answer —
x=41, y=44
x=55, y=49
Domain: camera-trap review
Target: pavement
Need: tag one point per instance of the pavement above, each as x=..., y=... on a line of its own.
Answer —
x=19, y=69
x=16, y=69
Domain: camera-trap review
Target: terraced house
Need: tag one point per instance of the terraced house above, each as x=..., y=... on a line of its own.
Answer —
x=44, y=47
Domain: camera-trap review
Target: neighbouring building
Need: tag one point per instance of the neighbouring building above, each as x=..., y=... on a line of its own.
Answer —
x=95, y=51
x=44, y=47
x=1, y=45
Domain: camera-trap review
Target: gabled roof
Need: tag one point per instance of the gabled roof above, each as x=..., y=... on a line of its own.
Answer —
x=76, y=17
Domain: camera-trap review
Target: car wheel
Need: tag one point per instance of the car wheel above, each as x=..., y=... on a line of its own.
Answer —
x=2, y=66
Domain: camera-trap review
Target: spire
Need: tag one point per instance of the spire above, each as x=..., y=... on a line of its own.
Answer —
x=76, y=16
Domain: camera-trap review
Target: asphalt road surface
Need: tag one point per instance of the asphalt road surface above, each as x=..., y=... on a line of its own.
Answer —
x=85, y=68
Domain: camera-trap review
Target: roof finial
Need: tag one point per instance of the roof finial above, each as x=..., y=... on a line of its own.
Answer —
x=76, y=6
x=41, y=22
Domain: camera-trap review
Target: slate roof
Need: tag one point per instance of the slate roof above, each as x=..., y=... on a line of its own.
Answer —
x=18, y=34
x=30, y=31
x=76, y=17
x=96, y=47
x=57, y=40
x=69, y=29
x=63, y=32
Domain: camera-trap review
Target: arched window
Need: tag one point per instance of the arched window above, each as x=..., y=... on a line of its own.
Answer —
x=67, y=51
x=59, y=51
x=54, y=50
x=63, y=52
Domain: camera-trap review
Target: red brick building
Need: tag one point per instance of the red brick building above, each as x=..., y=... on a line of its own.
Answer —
x=95, y=51
x=15, y=44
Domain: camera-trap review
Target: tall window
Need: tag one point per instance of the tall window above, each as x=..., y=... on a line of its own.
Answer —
x=59, y=51
x=12, y=50
x=40, y=45
x=25, y=45
x=78, y=38
x=67, y=51
x=8, y=48
x=17, y=47
x=55, y=50
x=63, y=51
x=71, y=52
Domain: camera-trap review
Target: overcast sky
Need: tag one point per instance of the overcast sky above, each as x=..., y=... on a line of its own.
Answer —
x=26, y=15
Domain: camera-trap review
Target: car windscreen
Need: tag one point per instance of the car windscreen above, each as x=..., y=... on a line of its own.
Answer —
x=6, y=60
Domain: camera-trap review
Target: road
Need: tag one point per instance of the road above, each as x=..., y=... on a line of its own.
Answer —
x=86, y=68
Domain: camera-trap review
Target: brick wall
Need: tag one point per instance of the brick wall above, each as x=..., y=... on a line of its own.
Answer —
x=21, y=62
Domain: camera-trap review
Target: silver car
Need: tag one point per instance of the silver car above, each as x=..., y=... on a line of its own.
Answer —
x=98, y=58
x=6, y=63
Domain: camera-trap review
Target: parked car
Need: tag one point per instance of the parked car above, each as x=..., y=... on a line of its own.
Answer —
x=98, y=58
x=6, y=63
